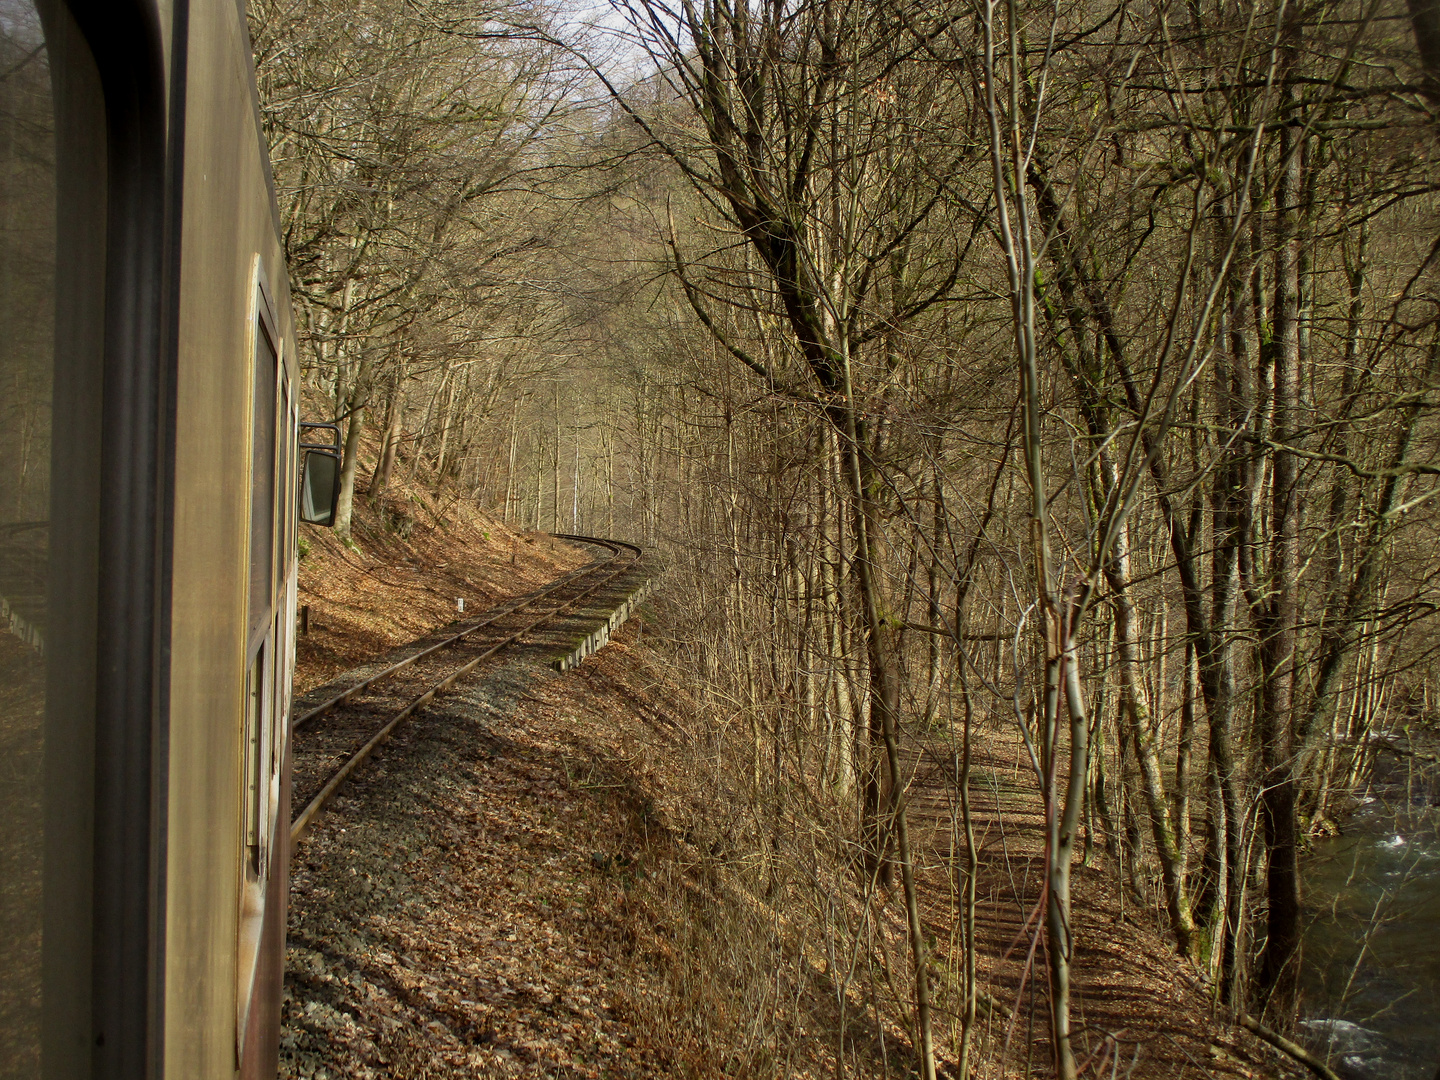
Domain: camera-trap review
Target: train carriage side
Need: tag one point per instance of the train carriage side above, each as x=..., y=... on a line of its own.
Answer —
x=233, y=576
x=148, y=414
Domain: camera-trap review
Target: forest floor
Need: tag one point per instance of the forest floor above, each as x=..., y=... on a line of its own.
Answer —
x=529, y=879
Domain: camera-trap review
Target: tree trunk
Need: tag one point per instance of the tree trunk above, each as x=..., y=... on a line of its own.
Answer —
x=1279, y=958
x=344, y=506
x=394, y=431
x=1065, y=825
x=1184, y=755
x=555, y=469
x=447, y=416
x=1425, y=21
x=1142, y=732
x=509, y=513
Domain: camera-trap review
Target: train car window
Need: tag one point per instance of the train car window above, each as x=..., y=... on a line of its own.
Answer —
x=27, y=292
x=285, y=554
x=272, y=498
x=265, y=553
x=262, y=479
x=254, y=724
x=285, y=550
x=52, y=192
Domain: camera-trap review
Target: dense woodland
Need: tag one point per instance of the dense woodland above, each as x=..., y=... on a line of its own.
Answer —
x=1052, y=373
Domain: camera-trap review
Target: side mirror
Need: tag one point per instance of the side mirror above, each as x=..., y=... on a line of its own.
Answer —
x=319, y=487
x=319, y=475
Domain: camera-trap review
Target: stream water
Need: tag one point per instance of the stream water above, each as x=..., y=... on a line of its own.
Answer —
x=1371, y=980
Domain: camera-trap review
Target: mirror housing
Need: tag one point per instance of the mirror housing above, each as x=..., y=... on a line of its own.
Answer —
x=319, y=487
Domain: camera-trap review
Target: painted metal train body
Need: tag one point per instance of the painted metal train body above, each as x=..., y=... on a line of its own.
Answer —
x=148, y=416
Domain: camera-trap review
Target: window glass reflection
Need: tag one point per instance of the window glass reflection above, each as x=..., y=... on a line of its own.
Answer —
x=27, y=325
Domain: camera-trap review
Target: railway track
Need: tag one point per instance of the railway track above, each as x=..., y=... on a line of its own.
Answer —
x=333, y=738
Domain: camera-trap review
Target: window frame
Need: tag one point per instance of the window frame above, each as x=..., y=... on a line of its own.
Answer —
x=118, y=149
x=265, y=728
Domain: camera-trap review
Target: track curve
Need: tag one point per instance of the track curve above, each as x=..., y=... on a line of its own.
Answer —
x=320, y=766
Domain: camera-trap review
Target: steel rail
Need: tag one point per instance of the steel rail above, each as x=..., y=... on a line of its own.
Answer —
x=598, y=540
x=312, y=809
x=350, y=693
